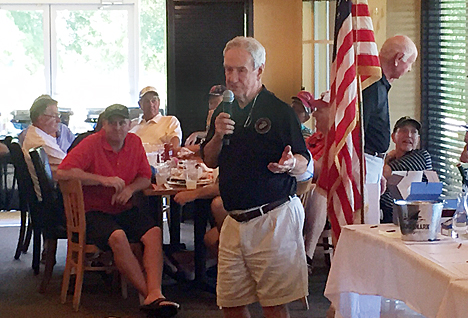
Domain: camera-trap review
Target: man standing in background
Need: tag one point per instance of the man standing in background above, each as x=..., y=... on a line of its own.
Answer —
x=397, y=55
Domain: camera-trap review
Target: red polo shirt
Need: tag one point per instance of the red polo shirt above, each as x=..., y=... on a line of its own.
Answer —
x=316, y=145
x=95, y=155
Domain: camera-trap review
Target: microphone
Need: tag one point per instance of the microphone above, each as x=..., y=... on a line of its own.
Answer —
x=228, y=98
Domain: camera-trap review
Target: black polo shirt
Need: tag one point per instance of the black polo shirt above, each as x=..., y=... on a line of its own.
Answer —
x=376, y=117
x=244, y=179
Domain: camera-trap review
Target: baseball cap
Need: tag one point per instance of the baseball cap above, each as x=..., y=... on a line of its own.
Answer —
x=217, y=90
x=306, y=98
x=405, y=120
x=116, y=109
x=310, y=103
x=148, y=89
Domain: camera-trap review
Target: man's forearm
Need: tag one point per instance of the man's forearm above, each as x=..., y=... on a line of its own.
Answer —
x=212, y=150
x=86, y=178
x=139, y=184
x=301, y=165
x=175, y=141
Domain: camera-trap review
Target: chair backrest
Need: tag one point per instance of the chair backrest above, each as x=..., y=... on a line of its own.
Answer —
x=25, y=184
x=72, y=193
x=303, y=190
x=303, y=187
x=41, y=164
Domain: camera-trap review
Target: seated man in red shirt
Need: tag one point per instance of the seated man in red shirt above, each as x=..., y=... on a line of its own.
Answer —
x=112, y=166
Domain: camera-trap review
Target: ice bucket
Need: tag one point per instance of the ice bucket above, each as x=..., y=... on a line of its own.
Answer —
x=419, y=220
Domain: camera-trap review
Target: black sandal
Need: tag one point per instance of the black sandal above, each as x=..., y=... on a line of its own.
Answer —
x=156, y=309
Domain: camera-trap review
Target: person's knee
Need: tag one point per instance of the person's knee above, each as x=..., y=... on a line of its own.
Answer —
x=153, y=235
x=280, y=311
x=117, y=240
x=236, y=312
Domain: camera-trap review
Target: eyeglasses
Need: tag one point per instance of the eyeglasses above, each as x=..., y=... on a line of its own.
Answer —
x=56, y=116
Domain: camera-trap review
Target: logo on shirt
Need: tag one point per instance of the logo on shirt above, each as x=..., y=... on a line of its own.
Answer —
x=263, y=125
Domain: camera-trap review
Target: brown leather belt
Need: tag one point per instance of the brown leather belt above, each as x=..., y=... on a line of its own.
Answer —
x=247, y=216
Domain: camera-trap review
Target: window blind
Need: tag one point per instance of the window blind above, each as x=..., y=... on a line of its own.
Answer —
x=443, y=86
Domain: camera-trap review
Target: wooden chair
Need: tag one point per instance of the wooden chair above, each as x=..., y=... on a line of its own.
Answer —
x=77, y=249
x=303, y=192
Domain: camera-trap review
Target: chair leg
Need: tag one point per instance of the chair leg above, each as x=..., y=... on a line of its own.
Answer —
x=305, y=303
x=22, y=232
x=66, y=276
x=49, y=264
x=36, y=250
x=79, y=280
x=123, y=286
x=327, y=249
x=27, y=239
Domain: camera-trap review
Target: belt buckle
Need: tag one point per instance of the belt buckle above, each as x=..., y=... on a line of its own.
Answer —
x=261, y=209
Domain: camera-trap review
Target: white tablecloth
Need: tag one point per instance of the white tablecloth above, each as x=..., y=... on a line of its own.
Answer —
x=430, y=277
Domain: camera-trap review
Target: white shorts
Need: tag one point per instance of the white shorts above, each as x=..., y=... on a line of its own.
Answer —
x=263, y=259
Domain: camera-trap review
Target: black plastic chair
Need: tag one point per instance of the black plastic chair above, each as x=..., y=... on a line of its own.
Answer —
x=51, y=207
x=28, y=206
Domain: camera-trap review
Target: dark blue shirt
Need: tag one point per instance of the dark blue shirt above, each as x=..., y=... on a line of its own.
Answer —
x=244, y=179
x=376, y=117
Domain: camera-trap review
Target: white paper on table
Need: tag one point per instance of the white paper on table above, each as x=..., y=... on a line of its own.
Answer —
x=442, y=252
x=372, y=196
x=431, y=176
x=405, y=184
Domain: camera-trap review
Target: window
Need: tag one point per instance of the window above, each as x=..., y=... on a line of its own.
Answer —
x=85, y=56
x=444, y=82
x=317, y=44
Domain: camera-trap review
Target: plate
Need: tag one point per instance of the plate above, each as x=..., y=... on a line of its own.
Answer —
x=181, y=182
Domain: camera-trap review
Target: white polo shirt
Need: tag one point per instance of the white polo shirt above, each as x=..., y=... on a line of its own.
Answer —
x=159, y=130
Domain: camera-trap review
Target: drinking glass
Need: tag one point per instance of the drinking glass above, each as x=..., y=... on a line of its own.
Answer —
x=460, y=217
x=163, y=173
x=191, y=174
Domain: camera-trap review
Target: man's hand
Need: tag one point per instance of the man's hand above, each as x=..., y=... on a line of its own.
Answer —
x=191, y=139
x=117, y=183
x=383, y=185
x=185, y=197
x=464, y=154
x=122, y=197
x=285, y=164
x=224, y=125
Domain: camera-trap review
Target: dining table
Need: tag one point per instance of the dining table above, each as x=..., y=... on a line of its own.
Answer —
x=153, y=202
x=372, y=261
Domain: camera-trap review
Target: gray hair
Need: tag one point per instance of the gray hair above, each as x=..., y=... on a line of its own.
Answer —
x=40, y=105
x=398, y=44
x=251, y=45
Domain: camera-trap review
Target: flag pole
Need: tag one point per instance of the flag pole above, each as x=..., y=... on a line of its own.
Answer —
x=362, y=175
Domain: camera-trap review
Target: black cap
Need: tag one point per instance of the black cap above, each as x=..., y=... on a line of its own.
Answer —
x=116, y=109
x=217, y=90
x=405, y=120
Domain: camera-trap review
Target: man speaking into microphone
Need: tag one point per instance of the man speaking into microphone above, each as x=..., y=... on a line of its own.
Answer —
x=261, y=251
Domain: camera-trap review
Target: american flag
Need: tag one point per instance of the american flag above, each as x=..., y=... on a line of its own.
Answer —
x=355, y=55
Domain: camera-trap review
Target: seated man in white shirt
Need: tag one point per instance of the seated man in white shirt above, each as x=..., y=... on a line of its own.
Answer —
x=45, y=118
x=153, y=128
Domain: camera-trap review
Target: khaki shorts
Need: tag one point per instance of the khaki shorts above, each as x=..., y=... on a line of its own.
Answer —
x=264, y=259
